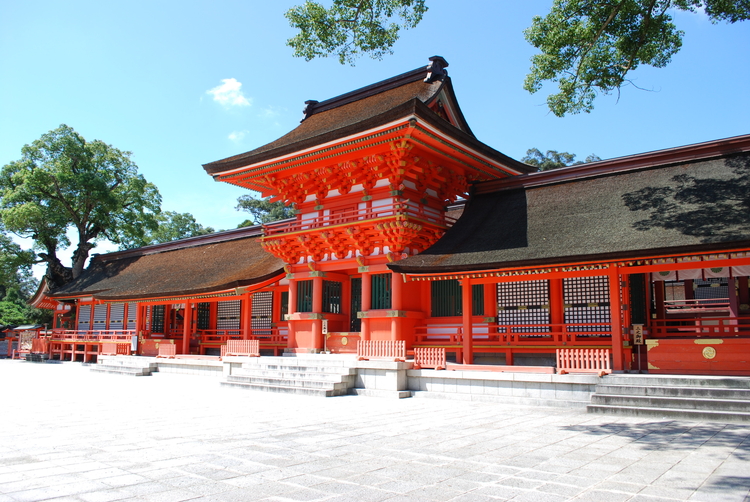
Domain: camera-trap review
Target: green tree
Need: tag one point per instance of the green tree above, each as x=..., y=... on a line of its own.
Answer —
x=171, y=226
x=587, y=47
x=17, y=285
x=554, y=159
x=351, y=27
x=262, y=210
x=61, y=182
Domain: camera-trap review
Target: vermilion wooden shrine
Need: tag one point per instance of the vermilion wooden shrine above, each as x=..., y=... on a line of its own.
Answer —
x=583, y=257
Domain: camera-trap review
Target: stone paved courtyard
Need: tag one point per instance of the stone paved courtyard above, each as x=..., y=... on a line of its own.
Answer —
x=71, y=435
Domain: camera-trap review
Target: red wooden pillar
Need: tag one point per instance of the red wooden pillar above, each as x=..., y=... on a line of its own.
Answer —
x=247, y=316
x=291, y=341
x=557, y=306
x=397, y=303
x=366, y=304
x=317, y=307
x=734, y=303
x=659, y=299
x=616, y=316
x=490, y=300
x=468, y=345
x=187, y=326
x=744, y=292
x=139, y=319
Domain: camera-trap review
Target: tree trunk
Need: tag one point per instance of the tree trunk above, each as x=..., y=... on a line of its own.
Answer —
x=79, y=257
x=57, y=274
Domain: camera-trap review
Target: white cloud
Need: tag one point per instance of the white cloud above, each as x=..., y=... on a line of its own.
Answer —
x=229, y=93
x=237, y=136
x=270, y=112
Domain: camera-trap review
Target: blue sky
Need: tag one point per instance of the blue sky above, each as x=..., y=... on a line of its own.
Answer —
x=138, y=76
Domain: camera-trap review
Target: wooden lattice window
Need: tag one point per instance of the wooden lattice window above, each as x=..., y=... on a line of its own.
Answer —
x=711, y=288
x=520, y=303
x=132, y=315
x=284, y=305
x=381, y=291
x=100, y=317
x=204, y=315
x=587, y=301
x=84, y=318
x=262, y=313
x=228, y=315
x=304, y=296
x=157, y=319
x=332, y=297
x=355, y=304
x=116, y=315
x=447, y=300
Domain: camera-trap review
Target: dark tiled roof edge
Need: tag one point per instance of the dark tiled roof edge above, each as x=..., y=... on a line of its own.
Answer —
x=200, y=240
x=570, y=260
x=194, y=292
x=657, y=158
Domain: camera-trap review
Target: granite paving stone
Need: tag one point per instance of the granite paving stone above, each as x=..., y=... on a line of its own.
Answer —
x=72, y=435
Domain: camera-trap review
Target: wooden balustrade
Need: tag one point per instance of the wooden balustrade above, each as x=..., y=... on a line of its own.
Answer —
x=167, y=350
x=499, y=335
x=583, y=361
x=702, y=327
x=247, y=348
x=429, y=357
x=381, y=349
x=355, y=215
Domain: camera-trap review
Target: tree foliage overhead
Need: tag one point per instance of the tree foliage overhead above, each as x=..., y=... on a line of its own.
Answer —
x=554, y=159
x=171, y=226
x=351, y=27
x=63, y=181
x=262, y=210
x=589, y=47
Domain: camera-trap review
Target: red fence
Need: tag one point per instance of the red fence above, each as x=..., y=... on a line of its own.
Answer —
x=429, y=357
x=381, y=349
x=709, y=327
x=503, y=335
x=583, y=361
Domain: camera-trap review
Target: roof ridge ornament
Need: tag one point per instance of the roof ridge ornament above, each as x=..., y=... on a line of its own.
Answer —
x=436, y=69
x=308, y=110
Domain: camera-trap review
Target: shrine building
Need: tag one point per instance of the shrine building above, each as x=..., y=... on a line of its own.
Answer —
x=408, y=228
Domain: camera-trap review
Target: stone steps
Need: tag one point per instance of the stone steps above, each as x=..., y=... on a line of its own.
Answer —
x=699, y=398
x=303, y=376
x=125, y=365
x=121, y=370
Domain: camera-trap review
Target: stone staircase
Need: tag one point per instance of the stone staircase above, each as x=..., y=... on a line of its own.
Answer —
x=696, y=398
x=312, y=375
x=126, y=365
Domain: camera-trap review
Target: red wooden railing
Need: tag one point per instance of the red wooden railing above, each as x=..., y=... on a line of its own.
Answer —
x=355, y=215
x=249, y=348
x=168, y=350
x=429, y=357
x=92, y=336
x=705, y=326
x=696, y=307
x=577, y=333
x=219, y=337
x=583, y=361
x=381, y=349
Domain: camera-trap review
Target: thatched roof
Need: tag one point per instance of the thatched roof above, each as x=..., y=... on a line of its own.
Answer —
x=691, y=199
x=193, y=266
x=358, y=111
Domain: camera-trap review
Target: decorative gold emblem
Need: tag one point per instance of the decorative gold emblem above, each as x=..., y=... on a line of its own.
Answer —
x=344, y=340
x=709, y=352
